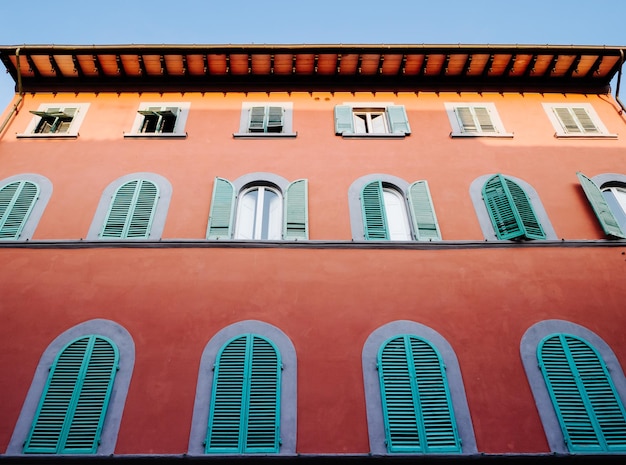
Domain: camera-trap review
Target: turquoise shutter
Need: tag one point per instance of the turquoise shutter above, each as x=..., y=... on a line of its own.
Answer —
x=589, y=410
x=510, y=210
x=423, y=213
x=295, y=226
x=73, y=405
x=222, y=208
x=17, y=200
x=373, y=209
x=245, y=399
x=275, y=119
x=417, y=407
x=132, y=210
x=398, y=120
x=600, y=207
x=257, y=119
x=343, y=120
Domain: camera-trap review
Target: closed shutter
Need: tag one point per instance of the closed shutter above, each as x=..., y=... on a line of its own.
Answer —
x=600, y=207
x=373, y=209
x=590, y=412
x=257, y=119
x=532, y=227
x=398, y=120
x=245, y=400
x=132, y=210
x=576, y=120
x=416, y=402
x=296, y=211
x=222, y=207
x=73, y=406
x=423, y=213
x=474, y=119
x=275, y=119
x=343, y=120
x=17, y=200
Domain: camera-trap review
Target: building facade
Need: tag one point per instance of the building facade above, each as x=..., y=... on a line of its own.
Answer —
x=322, y=253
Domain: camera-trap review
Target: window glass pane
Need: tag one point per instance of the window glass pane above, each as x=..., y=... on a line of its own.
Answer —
x=397, y=218
x=616, y=199
x=378, y=123
x=272, y=219
x=247, y=215
x=360, y=123
x=259, y=215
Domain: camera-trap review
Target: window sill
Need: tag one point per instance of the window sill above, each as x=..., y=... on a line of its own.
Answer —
x=264, y=135
x=504, y=135
x=175, y=135
x=585, y=136
x=373, y=136
x=47, y=136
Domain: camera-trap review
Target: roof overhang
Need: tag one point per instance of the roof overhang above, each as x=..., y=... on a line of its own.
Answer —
x=414, y=68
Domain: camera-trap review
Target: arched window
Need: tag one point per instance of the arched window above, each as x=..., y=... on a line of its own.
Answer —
x=607, y=195
x=259, y=214
x=22, y=201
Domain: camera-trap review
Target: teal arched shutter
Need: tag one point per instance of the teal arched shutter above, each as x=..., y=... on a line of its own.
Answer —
x=295, y=224
x=245, y=399
x=589, y=410
x=373, y=209
x=73, y=405
x=222, y=208
x=600, y=207
x=417, y=407
x=425, y=223
x=16, y=202
x=398, y=120
x=132, y=210
x=343, y=120
x=510, y=210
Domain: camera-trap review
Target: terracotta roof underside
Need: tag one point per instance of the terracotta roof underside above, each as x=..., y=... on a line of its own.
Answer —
x=585, y=69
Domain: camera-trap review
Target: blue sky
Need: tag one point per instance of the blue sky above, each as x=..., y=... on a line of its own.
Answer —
x=87, y=22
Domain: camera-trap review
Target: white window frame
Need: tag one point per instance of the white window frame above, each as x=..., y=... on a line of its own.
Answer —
x=275, y=221
x=459, y=131
x=244, y=121
x=179, y=126
x=374, y=107
x=398, y=223
x=561, y=131
x=358, y=112
x=71, y=133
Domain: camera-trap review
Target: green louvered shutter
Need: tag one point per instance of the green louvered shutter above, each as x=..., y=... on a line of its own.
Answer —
x=532, y=227
x=275, y=119
x=245, y=400
x=600, y=207
x=423, y=213
x=417, y=408
x=373, y=209
x=398, y=120
x=257, y=119
x=589, y=410
x=132, y=210
x=222, y=208
x=295, y=225
x=343, y=120
x=17, y=200
x=73, y=406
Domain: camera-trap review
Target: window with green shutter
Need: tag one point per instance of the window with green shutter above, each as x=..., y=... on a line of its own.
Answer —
x=590, y=412
x=17, y=200
x=131, y=210
x=601, y=208
x=244, y=412
x=417, y=408
x=365, y=120
x=74, y=402
x=264, y=119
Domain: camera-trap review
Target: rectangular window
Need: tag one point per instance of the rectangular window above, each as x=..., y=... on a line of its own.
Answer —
x=371, y=120
x=475, y=120
x=160, y=119
x=270, y=119
x=58, y=120
x=576, y=120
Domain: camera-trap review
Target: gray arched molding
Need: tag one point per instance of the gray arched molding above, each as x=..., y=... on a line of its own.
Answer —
x=158, y=222
x=126, y=347
x=288, y=387
x=373, y=399
x=476, y=194
x=354, y=200
x=258, y=179
x=528, y=351
x=609, y=180
x=45, y=192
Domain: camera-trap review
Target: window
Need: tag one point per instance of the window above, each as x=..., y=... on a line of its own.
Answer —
x=414, y=393
x=160, y=119
x=261, y=120
x=132, y=207
x=23, y=199
x=608, y=202
x=56, y=120
x=475, y=119
x=377, y=119
x=575, y=120
x=391, y=209
x=267, y=207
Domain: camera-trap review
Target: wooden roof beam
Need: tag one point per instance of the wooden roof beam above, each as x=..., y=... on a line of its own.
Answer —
x=338, y=68
x=531, y=65
x=55, y=66
x=163, y=65
x=96, y=64
x=573, y=68
x=293, y=63
x=205, y=64
x=422, y=70
x=444, y=67
x=381, y=60
x=249, y=63
x=466, y=66
x=120, y=66
x=77, y=67
x=488, y=65
x=185, y=67
x=33, y=66
x=359, y=64
x=272, y=63
x=510, y=65
x=402, y=67
x=596, y=66
x=551, y=67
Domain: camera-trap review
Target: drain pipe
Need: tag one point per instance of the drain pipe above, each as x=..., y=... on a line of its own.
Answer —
x=20, y=92
x=619, y=80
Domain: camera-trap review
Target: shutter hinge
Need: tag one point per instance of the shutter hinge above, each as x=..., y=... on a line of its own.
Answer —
x=280, y=441
x=204, y=443
x=213, y=368
x=377, y=367
x=282, y=367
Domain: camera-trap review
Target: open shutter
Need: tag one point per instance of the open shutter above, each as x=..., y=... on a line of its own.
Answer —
x=222, y=207
x=275, y=119
x=17, y=200
x=343, y=120
x=590, y=412
x=398, y=120
x=73, y=406
x=373, y=209
x=295, y=226
x=600, y=207
x=423, y=213
x=532, y=226
x=257, y=119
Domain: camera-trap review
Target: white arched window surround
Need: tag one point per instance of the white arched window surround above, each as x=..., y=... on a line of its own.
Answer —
x=158, y=222
x=545, y=408
x=45, y=192
x=288, y=387
x=373, y=398
x=126, y=347
x=259, y=212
